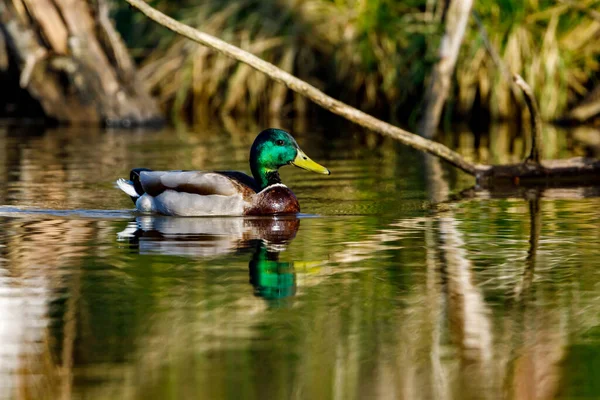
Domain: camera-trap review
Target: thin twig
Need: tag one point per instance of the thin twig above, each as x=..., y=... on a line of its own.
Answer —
x=536, y=120
x=515, y=82
x=303, y=88
x=492, y=50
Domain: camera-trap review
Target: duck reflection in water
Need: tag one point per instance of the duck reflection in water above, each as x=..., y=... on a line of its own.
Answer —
x=214, y=237
x=271, y=278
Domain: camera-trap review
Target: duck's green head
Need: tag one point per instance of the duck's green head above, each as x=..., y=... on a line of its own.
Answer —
x=274, y=148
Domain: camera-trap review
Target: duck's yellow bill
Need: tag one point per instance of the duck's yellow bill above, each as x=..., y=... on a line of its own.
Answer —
x=302, y=161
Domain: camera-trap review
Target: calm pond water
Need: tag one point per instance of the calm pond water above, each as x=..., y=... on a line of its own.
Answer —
x=371, y=293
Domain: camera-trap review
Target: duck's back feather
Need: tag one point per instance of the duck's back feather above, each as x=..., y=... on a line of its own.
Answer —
x=200, y=183
x=241, y=178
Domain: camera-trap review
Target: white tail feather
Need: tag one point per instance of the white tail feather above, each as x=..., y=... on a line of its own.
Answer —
x=127, y=187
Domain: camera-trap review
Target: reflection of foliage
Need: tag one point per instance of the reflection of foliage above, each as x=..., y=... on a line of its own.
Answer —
x=371, y=306
x=380, y=312
x=369, y=312
x=373, y=54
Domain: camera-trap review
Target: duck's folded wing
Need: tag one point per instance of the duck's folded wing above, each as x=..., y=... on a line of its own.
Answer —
x=195, y=182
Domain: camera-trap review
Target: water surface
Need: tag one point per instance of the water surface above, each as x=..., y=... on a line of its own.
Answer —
x=371, y=293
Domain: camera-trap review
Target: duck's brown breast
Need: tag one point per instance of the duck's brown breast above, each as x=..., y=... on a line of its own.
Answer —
x=276, y=199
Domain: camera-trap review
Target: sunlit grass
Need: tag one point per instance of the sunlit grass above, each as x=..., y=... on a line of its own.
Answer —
x=554, y=47
x=373, y=54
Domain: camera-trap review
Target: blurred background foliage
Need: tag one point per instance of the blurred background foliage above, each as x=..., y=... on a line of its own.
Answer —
x=373, y=54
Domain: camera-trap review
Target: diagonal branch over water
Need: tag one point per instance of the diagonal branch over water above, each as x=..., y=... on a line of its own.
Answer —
x=329, y=103
x=583, y=170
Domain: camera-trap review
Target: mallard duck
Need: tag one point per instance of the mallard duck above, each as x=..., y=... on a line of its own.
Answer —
x=200, y=193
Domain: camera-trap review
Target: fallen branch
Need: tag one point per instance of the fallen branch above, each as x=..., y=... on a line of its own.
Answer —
x=303, y=88
x=583, y=170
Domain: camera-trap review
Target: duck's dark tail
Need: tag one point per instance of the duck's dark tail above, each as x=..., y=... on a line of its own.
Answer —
x=133, y=186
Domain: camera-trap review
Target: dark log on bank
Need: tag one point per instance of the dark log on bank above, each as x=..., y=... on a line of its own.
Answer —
x=67, y=56
x=581, y=170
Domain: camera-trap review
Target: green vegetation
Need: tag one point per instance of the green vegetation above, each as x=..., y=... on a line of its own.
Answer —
x=372, y=54
x=553, y=46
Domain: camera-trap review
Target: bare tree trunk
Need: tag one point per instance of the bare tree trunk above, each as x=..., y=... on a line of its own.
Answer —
x=69, y=58
x=457, y=17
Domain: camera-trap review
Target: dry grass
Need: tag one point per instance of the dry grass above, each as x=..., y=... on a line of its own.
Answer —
x=337, y=46
x=372, y=54
x=556, y=48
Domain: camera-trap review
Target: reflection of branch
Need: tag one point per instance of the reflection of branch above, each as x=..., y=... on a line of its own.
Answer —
x=439, y=190
x=437, y=186
x=69, y=335
x=534, y=238
x=542, y=334
x=373, y=244
x=435, y=307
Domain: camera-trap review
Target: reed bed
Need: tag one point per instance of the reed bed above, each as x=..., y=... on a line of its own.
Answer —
x=372, y=54
x=554, y=46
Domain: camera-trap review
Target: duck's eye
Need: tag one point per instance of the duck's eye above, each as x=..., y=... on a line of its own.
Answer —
x=279, y=142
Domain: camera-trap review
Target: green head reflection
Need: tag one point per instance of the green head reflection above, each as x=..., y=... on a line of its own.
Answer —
x=271, y=278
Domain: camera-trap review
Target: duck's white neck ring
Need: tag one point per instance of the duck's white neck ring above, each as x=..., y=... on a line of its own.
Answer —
x=272, y=186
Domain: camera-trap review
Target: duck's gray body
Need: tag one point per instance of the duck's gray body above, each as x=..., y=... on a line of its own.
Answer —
x=188, y=205
x=199, y=193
